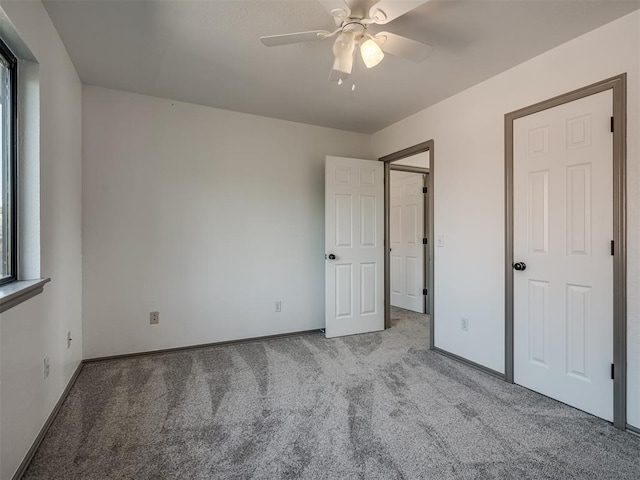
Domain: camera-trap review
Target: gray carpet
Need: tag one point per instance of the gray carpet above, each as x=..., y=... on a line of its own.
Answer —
x=369, y=406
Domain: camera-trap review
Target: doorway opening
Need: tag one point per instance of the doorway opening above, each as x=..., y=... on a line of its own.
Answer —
x=408, y=255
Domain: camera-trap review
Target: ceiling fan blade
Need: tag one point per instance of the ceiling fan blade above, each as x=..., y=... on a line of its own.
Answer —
x=393, y=9
x=403, y=47
x=361, y=8
x=332, y=6
x=289, y=38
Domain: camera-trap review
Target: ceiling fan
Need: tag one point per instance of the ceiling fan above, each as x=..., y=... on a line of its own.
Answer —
x=353, y=18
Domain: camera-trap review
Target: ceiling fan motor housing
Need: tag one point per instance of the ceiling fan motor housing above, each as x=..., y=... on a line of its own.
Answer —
x=355, y=27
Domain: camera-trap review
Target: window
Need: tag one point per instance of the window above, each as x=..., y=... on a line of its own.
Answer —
x=8, y=167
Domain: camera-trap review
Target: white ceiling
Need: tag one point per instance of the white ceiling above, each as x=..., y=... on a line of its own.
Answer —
x=208, y=52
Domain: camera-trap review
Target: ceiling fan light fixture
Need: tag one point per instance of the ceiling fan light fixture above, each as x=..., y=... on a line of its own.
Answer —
x=344, y=44
x=344, y=66
x=343, y=49
x=371, y=53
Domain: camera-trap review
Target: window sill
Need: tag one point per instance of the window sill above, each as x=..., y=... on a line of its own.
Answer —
x=15, y=293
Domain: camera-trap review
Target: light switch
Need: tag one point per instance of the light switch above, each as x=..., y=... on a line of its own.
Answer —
x=440, y=241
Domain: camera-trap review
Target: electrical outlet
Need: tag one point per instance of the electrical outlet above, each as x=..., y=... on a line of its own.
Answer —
x=464, y=324
x=154, y=318
x=278, y=306
x=69, y=339
x=47, y=367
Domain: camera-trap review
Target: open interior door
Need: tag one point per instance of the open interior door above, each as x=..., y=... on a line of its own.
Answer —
x=354, y=246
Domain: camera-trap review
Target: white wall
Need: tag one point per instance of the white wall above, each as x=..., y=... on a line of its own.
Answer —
x=39, y=327
x=469, y=192
x=206, y=215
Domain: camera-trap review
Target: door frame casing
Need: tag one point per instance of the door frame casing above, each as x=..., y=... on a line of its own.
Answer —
x=619, y=86
x=427, y=146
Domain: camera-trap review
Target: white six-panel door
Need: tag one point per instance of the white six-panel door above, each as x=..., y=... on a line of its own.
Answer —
x=354, y=235
x=563, y=226
x=406, y=219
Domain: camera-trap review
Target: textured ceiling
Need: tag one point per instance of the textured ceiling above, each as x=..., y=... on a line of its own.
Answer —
x=208, y=52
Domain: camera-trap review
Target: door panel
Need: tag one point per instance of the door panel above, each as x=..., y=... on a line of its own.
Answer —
x=343, y=290
x=578, y=330
x=407, y=250
x=538, y=322
x=563, y=225
x=354, y=234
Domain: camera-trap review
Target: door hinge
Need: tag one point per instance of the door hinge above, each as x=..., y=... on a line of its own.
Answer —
x=611, y=124
x=613, y=371
x=613, y=248
x=425, y=241
x=425, y=189
x=425, y=291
